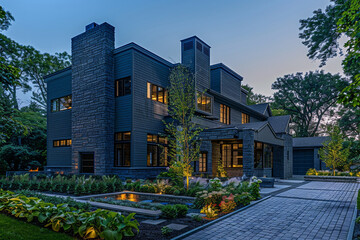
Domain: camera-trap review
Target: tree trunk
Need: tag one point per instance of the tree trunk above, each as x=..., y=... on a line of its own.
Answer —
x=187, y=182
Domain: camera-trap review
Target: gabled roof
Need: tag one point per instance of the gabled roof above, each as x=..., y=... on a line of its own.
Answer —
x=309, y=141
x=279, y=123
x=226, y=69
x=261, y=108
x=144, y=51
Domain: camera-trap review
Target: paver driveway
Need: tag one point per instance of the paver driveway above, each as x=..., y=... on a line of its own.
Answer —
x=316, y=210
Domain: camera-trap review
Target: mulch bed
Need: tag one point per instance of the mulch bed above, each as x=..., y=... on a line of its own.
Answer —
x=356, y=234
x=153, y=232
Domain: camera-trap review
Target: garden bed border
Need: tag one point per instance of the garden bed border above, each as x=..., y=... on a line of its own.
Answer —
x=330, y=178
x=186, y=234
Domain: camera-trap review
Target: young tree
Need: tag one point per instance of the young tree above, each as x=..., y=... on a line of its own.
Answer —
x=182, y=133
x=307, y=98
x=321, y=33
x=333, y=154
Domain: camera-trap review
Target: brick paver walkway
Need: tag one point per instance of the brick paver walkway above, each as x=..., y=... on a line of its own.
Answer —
x=316, y=210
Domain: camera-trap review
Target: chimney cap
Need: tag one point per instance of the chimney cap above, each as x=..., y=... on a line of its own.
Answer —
x=91, y=26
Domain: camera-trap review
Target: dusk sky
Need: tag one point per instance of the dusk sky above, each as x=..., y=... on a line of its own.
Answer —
x=258, y=39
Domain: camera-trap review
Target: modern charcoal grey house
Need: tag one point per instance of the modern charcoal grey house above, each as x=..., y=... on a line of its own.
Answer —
x=306, y=154
x=106, y=112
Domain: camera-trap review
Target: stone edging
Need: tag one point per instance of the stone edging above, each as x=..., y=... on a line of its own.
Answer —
x=352, y=225
x=330, y=178
x=186, y=234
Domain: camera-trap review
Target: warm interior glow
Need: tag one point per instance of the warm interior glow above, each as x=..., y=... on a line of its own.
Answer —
x=34, y=170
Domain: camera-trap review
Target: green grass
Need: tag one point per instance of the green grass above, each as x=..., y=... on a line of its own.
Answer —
x=13, y=229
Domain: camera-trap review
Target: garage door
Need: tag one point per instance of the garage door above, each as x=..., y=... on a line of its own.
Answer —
x=303, y=160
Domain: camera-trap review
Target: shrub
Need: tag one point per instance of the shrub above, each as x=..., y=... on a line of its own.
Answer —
x=204, y=198
x=358, y=200
x=227, y=204
x=181, y=210
x=169, y=211
x=243, y=199
x=166, y=230
x=311, y=171
x=101, y=224
x=210, y=211
x=215, y=184
x=197, y=218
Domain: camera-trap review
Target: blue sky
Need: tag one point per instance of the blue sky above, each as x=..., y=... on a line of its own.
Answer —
x=258, y=39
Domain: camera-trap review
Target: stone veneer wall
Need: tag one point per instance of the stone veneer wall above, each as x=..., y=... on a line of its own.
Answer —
x=93, y=104
x=248, y=152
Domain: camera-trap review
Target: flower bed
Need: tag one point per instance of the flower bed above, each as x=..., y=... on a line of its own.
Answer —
x=101, y=224
x=327, y=176
x=314, y=172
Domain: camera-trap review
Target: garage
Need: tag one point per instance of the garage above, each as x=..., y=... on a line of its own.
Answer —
x=303, y=159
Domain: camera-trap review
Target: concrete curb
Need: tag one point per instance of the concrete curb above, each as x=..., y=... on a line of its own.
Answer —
x=186, y=234
x=352, y=225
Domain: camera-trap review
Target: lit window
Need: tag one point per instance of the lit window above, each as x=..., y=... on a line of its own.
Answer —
x=157, y=151
x=62, y=143
x=203, y=162
x=123, y=87
x=204, y=102
x=122, y=149
x=61, y=104
x=157, y=93
x=245, y=118
x=232, y=155
x=224, y=114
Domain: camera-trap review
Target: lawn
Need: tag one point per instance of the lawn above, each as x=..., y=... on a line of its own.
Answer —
x=13, y=229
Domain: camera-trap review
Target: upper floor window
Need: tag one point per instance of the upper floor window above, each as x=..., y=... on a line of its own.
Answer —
x=157, y=151
x=157, y=93
x=122, y=149
x=62, y=143
x=206, y=51
x=199, y=46
x=60, y=104
x=204, y=102
x=245, y=118
x=224, y=114
x=123, y=87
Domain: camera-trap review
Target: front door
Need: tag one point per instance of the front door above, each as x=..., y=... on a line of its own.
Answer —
x=87, y=162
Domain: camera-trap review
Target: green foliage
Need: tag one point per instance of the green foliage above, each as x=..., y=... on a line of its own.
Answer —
x=215, y=184
x=255, y=98
x=308, y=98
x=166, y=230
x=21, y=230
x=55, y=200
x=18, y=157
x=243, y=199
x=197, y=218
x=98, y=224
x=333, y=154
x=349, y=121
x=182, y=132
x=358, y=200
x=169, y=211
x=321, y=34
x=181, y=210
x=311, y=171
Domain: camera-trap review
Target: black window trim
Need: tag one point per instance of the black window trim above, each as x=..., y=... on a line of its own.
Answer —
x=123, y=142
x=165, y=93
x=158, y=144
x=58, y=104
x=122, y=80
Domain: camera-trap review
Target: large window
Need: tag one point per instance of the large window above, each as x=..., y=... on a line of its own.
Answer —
x=245, y=118
x=157, y=151
x=61, y=104
x=224, y=114
x=203, y=162
x=204, y=102
x=157, y=93
x=62, y=143
x=263, y=155
x=123, y=87
x=232, y=155
x=122, y=149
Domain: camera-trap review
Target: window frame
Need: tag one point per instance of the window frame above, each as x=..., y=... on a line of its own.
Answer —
x=154, y=140
x=203, y=165
x=62, y=143
x=123, y=139
x=225, y=114
x=203, y=95
x=154, y=96
x=232, y=150
x=57, y=103
x=245, y=118
x=121, y=89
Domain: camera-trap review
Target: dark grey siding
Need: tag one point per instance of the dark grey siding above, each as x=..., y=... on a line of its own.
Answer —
x=123, y=67
x=230, y=86
x=215, y=80
x=202, y=70
x=147, y=114
x=58, y=123
x=243, y=97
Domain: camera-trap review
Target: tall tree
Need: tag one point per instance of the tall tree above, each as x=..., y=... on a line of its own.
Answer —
x=182, y=133
x=321, y=34
x=308, y=98
x=333, y=154
x=255, y=98
x=349, y=122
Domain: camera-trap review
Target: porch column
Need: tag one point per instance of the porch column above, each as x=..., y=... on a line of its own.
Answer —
x=248, y=152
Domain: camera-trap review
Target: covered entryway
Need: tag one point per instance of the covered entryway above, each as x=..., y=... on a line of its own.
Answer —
x=87, y=162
